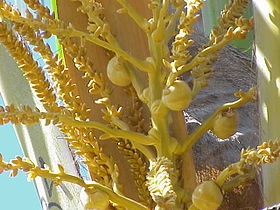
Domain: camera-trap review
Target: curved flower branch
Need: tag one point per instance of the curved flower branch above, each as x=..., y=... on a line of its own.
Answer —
x=250, y=96
x=34, y=171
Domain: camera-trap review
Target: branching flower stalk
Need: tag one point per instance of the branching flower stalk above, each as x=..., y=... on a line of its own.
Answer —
x=267, y=152
x=242, y=171
x=153, y=152
x=63, y=84
x=250, y=96
x=33, y=171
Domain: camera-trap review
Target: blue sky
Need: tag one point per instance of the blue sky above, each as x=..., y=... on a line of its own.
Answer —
x=16, y=192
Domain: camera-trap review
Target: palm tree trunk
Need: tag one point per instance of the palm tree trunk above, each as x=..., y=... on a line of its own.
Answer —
x=267, y=48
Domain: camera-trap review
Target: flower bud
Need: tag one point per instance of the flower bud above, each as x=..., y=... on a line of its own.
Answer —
x=207, y=196
x=225, y=124
x=178, y=96
x=116, y=72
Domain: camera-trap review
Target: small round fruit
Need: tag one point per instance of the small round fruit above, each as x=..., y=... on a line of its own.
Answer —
x=94, y=200
x=207, y=196
x=178, y=96
x=116, y=72
x=225, y=124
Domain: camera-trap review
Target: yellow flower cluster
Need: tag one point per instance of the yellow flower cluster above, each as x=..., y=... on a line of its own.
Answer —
x=65, y=89
x=234, y=10
x=40, y=9
x=31, y=69
x=160, y=180
x=267, y=152
x=160, y=95
x=33, y=171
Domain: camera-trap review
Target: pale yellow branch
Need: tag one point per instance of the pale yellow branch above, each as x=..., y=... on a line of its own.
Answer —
x=120, y=199
x=141, y=65
x=17, y=117
x=34, y=171
x=57, y=29
x=170, y=29
x=133, y=136
x=114, y=197
x=159, y=33
x=201, y=57
x=141, y=22
x=207, y=124
x=230, y=170
x=155, y=7
x=267, y=152
x=142, y=148
x=163, y=12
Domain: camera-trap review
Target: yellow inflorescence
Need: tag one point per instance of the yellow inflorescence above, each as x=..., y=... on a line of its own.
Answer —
x=96, y=82
x=234, y=10
x=161, y=94
x=161, y=178
x=40, y=9
x=31, y=69
x=138, y=160
x=267, y=152
x=180, y=52
x=59, y=73
x=34, y=171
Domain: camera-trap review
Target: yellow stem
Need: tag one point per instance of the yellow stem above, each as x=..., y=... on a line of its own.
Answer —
x=170, y=29
x=145, y=150
x=159, y=116
x=230, y=170
x=163, y=12
x=141, y=65
x=120, y=199
x=141, y=22
x=72, y=32
x=155, y=11
x=142, y=148
x=237, y=181
x=158, y=34
x=119, y=123
x=133, y=136
x=114, y=197
x=207, y=124
x=136, y=79
x=61, y=176
x=68, y=121
x=199, y=58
